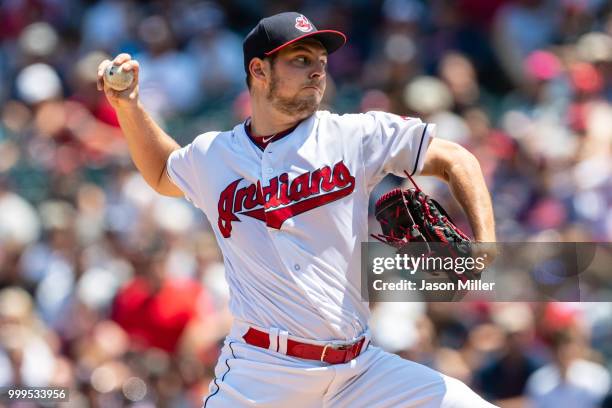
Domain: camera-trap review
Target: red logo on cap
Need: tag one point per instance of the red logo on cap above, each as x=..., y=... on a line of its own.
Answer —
x=302, y=24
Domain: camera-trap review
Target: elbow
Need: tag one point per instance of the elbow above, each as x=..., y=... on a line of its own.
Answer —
x=160, y=178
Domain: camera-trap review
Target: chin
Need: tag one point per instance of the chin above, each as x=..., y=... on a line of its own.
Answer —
x=313, y=100
x=310, y=107
x=298, y=107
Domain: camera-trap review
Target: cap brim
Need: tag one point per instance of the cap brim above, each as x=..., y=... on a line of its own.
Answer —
x=332, y=40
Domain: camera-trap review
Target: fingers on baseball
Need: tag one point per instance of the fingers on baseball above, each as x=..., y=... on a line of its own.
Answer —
x=122, y=58
x=132, y=66
x=101, y=68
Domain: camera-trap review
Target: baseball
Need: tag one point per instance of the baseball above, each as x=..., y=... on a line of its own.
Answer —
x=118, y=79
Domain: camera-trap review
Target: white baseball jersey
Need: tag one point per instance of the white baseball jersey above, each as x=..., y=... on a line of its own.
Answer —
x=290, y=219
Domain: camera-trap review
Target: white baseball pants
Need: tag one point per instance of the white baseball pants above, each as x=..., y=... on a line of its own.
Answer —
x=250, y=376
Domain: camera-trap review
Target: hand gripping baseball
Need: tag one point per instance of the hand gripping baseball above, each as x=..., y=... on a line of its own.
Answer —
x=119, y=80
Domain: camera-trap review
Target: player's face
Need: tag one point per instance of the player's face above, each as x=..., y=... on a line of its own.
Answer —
x=297, y=81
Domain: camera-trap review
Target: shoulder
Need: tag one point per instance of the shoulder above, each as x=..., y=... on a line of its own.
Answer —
x=201, y=146
x=366, y=118
x=212, y=140
x=388, y=117
x=347, y=123
x=207, y=138
x=347, y=118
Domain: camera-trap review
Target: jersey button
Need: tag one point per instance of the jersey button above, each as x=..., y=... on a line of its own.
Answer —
x=296, y=267
x=269, y=170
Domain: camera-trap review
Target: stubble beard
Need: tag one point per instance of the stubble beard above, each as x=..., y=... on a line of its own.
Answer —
x=298, y=106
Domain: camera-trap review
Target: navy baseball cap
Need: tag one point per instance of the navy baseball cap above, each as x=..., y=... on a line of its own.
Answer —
x=274, y=33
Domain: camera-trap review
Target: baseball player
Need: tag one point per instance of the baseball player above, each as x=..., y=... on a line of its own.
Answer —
x=286, y=193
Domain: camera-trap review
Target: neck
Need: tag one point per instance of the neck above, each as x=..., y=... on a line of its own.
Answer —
x=266, y=120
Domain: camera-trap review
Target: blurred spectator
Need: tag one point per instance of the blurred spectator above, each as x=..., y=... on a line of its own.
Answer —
x=19, y=221
x=105, y=25
x=216, y=49
x=570, y=380
x=156, y=310
x=168, y=73
x=525, y=85
x=520, y=28
x=504, y=378
x=25, y=356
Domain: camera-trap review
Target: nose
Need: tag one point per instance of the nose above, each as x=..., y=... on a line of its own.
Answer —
x=318, y=71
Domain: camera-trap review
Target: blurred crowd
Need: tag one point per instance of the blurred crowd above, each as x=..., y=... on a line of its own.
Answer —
x=119, y=294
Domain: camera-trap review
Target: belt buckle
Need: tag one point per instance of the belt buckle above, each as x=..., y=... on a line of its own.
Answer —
x=345, y=346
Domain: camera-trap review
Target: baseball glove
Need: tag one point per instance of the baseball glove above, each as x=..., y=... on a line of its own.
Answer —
x=410, y=216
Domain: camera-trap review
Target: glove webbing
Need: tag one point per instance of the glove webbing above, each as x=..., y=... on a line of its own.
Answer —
x=415, y=234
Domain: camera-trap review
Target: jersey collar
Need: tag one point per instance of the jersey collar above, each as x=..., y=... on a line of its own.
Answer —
x=263, y=141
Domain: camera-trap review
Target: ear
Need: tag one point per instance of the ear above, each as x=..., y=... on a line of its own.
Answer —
x=257, y=69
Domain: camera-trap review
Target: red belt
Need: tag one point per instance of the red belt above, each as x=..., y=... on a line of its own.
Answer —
x=330, y=353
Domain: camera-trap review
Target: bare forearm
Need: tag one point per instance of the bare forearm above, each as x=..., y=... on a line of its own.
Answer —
x=149, y=145
x=467, y=184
